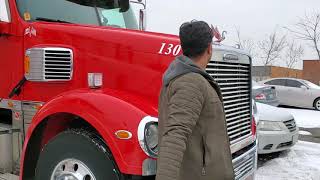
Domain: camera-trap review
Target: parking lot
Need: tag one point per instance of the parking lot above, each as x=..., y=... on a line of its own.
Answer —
x=301, y=162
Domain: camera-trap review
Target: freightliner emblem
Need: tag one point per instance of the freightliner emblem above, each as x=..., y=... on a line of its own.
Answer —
x=30, y=31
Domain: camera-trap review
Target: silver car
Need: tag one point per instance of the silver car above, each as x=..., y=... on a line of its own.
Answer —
x=264, y=94
x=276, y=129
x=296, y=92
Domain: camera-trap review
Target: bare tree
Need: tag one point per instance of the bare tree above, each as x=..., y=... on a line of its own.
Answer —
x=308, y=29
x=246, y=44
x=294, y=53
x=271, y=48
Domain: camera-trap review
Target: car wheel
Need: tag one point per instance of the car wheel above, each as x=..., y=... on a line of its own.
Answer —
x=317, y=104
x=76, y=155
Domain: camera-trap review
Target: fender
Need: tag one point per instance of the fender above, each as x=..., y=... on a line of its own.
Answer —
x=107, y=114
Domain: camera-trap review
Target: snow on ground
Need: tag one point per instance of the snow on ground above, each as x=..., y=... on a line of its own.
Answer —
x=302, y=162
x=306, y=133
x=305, y=118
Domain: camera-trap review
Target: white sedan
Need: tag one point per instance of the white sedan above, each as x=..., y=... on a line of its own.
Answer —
x=296, y=92
x=276, y=129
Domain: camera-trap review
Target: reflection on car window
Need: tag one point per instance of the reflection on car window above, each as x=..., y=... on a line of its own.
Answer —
x=293, y=83
x=277, y=82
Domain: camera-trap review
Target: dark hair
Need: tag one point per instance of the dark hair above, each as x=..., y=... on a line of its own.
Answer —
x=195, y=37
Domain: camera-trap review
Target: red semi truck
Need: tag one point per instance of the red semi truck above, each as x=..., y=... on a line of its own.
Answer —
x=79, y=86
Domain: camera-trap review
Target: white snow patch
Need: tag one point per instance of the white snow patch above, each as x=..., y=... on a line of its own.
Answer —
x=302, y=162
x=305, y=118
x=306, y=133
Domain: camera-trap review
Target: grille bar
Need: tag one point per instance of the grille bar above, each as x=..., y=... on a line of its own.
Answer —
x=234, y=81
x=238, y=104
x=227, y=70
x=237, y=109
x=238, y=121
x=291, y=125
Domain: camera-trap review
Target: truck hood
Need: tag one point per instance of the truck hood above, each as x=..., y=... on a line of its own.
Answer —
x=130, y=60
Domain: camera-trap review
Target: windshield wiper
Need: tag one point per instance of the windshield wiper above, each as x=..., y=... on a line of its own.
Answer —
x=51, y=20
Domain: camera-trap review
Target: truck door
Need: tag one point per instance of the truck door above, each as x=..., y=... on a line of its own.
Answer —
x=10, y=52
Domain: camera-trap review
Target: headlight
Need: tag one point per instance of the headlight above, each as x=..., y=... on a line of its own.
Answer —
x=269, y=126
x=151, y=137
x=148, y=136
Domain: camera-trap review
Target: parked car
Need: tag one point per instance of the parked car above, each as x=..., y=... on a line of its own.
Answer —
x=296, y=92
x=276, y=129
x=264, y=94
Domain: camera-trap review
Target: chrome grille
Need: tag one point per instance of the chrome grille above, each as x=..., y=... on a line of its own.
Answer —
x=291, y=125
x=58, y=64
x=234, y=80
x=244, y=165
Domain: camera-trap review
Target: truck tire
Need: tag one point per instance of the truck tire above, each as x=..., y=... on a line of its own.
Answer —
x=76, y=155
x=317, y=104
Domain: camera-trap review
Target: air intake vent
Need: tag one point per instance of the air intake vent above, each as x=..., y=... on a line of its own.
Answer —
x=49, y=64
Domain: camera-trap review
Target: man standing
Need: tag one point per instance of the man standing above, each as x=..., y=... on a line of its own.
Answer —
x=193, y=139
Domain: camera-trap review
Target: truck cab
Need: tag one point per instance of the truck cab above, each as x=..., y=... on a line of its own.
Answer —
x=79, y=86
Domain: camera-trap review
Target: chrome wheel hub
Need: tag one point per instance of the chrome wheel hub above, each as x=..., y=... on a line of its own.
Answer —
x=72, y=169
x=318, y=105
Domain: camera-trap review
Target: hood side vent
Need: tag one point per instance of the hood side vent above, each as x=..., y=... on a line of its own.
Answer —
x=49, y=64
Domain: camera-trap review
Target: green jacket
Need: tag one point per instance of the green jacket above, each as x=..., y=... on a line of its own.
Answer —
x=193, y=139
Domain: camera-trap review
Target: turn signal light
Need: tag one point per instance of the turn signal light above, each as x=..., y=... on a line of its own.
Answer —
x=123, y=134
x=27, y=64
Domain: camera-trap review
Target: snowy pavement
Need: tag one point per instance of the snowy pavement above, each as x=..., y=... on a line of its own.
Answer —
x=305, y=118
x=302, y=162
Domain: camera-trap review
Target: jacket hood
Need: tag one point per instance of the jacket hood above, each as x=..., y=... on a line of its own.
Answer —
x=180, y=66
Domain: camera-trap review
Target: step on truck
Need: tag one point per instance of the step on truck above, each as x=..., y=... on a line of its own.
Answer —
x=79, y=86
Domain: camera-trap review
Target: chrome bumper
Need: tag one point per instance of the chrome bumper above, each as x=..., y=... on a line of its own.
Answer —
x=149, y=167
x=246, y=164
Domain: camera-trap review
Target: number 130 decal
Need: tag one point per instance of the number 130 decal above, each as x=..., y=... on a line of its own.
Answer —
x=170, y=49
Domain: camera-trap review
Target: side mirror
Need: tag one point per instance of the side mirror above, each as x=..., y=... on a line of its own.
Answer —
x=303, y=87
x=143, y=19
x=4, y=28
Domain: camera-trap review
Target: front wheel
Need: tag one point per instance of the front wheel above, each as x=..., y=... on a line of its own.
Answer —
x=317, y=104
x=76, y=155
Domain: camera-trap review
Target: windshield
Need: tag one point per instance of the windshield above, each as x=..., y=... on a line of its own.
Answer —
x=98, y=12
x=311, y=85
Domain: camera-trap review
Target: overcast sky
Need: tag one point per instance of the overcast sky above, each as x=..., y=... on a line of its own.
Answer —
x=255, y=18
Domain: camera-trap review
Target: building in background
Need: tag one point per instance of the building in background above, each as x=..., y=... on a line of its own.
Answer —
x=311, y=71
x=260, y=73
